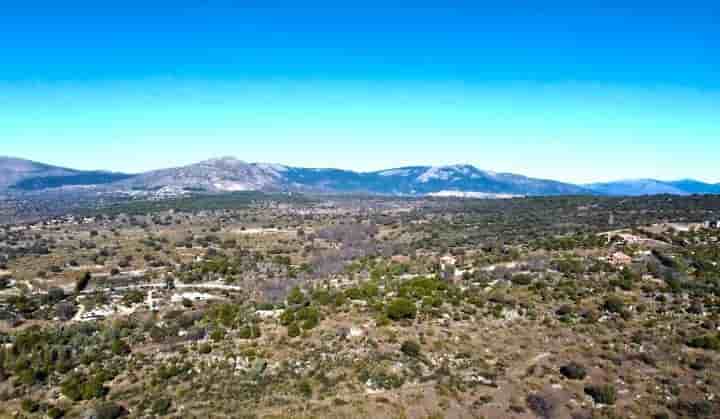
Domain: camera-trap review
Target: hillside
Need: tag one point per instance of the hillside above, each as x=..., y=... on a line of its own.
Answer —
x=641, y=187
x=228, y=174
x=25, y=175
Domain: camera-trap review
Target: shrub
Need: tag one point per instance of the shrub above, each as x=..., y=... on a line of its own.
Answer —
x=541, y=406
x=119, y=347
x=287, y=317
x=109, y=411
x=310, y=317
x=296, y=297
x=305, y=388
x=410, y=348
x=614, y=304
x=265, y=306
x=133, y=297
x=565, y=310
x=293, y=330
x=709, y=342
x=251, y=331
x=78, y=388
x=522, y=279
x=401, y=308
x=602, y=394
x=65, y=311
x=382, y=379
x=93, y=389
x=322, y=297
x=82, y=282
x=70, y=388
x=217, y=334
x=573, y=371
x=695, y=409
x=161, y=406
x=30, y=406
x=55, y=295
x=55, y=412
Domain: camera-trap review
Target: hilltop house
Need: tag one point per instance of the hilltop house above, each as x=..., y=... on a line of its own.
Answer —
x=620, y=259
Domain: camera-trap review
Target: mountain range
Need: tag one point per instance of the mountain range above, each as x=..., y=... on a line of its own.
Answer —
x=228, y=174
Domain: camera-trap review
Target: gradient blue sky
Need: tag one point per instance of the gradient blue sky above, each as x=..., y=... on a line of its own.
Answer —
x=562, y=90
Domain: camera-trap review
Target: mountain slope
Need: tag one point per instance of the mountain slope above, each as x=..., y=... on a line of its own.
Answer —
x=639, y=187
x=695, y=187
x=225, y=174
x=26, y=175
x=422, y=180
x=14, y=170
x=229, y=174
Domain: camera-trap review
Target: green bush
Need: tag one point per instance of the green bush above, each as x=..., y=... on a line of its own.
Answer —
x=77, y=388
x=602, y=394
x=251, y=331
x=410, y=348
x=614, y=304
x=55, y=412
x=401, y=308
x=161, y=406
x=93, y=389
x=322, y=297
x=522, y=279
x=709, y=342
x=119, y=347
x=382, y=379
x=133, y=297
x=305, y=388
x=296, y=297
x=293, y=330
x=217, y=334
x=109, y=411
x=287, y=317
x=309, y=316
x=30, y=406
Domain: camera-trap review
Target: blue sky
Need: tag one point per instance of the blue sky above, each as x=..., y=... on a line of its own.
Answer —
x=549, y=89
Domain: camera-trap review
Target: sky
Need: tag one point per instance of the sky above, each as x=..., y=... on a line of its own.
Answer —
x=573, y=91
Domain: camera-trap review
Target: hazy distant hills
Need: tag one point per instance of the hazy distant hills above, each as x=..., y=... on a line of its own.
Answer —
x=640, y=187
x=228, y=174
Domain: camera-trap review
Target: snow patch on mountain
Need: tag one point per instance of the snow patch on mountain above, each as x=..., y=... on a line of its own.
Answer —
x=277, y=168
x=395, y=172
x=436, y=173
x=473, y=195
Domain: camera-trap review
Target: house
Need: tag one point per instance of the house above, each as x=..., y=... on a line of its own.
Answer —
x=403, y=259
x=448, y=267
x=448, y=261
x=620, y=259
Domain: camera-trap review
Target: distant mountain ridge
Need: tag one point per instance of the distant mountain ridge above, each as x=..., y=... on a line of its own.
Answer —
x=26, y=175
x=228, y=174
x=639, y=187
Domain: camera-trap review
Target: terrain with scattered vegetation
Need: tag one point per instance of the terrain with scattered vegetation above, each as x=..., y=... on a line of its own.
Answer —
x=286, y=306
